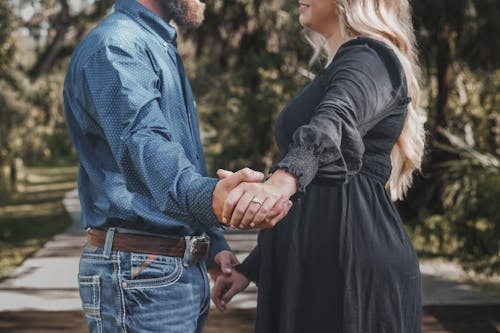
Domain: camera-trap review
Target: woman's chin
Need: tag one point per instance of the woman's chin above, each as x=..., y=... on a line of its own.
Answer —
x=303, y=21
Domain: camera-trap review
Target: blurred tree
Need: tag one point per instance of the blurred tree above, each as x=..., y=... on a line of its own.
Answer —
x=246, y=62
x=460, y=53
x=36, y=39
x=453, y=34
x=246, y=67
x=64, y=27
x=6, y=52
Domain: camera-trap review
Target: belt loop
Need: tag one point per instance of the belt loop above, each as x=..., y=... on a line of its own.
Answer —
x=187, y=251
x=108, y=245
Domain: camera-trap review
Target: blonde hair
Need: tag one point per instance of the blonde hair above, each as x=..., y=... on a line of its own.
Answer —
x=388, y=21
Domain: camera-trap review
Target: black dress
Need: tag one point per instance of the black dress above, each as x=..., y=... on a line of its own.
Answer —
x=341, y=260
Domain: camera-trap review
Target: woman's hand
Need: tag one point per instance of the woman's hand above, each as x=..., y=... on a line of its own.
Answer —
x=226, y=287
x=259, y=205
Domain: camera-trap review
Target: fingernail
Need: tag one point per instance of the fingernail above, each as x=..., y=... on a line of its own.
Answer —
x=224, y=220
x=227, y=270
x=252, y=224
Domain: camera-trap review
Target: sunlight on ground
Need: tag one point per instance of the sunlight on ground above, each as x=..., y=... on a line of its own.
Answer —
x=34, y=214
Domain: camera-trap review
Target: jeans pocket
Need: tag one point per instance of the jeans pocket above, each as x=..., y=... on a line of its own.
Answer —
x=148, y=271
x=90, y=294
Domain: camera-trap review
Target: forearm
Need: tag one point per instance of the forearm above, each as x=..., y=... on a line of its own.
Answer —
x=283, y=182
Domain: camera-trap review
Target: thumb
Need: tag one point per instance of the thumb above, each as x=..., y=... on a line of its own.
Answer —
x=222, y=174
x=245, y=175
x=226, y=264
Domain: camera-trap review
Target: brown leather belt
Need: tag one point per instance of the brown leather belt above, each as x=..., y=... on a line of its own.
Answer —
x=165, y=246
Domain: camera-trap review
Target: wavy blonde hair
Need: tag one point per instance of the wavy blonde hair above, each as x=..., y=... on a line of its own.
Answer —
x=389, y=21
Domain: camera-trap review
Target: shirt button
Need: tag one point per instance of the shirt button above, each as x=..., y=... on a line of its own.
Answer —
x=124, y=284
x=165, y=44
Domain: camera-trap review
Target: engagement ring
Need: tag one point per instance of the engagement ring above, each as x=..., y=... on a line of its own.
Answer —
x=257, y=201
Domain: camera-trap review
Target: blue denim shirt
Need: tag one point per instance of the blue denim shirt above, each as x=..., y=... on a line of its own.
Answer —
x=132, y=118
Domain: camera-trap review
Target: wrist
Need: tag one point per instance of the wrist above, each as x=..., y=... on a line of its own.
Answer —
x=283, y=182
x=217, y=201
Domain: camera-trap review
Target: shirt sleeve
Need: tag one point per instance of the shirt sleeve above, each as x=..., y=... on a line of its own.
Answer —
x=357, y=95
x=217, y=244
x=122, y=88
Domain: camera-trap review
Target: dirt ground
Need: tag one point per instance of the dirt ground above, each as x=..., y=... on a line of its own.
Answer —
x=240, y=321
x=436, y=319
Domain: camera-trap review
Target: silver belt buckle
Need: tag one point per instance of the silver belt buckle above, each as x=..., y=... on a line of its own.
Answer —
x=198, y=248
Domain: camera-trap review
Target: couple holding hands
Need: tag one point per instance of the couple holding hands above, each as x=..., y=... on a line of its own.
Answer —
x=332, y=253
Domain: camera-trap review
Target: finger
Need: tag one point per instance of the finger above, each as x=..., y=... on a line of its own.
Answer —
x=228, y=295
x=264, y=211
x=244, y=175
x=231, y=200
x=218, y=291
x=281, y=216
x=277, y=209
x=234, y=260
x=226, y=265
x=240, y=209
x=223, y=262
x=222, y=174
x=253, y=209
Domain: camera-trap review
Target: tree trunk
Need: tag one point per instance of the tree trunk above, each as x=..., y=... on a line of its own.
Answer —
x=444, y=79
x=47, y=59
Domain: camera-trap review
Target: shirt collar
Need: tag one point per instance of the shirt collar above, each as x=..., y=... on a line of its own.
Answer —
x=147, y=19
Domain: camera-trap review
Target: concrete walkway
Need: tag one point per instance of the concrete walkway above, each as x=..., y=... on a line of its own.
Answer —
x=47, y=281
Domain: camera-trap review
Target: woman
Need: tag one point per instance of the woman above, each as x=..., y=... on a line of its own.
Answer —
x=340, y=261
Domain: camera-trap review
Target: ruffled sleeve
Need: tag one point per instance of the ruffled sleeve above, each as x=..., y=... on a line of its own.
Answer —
x=359, y=91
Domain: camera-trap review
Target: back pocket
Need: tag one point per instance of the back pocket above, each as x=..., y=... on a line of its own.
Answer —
x=90, y=294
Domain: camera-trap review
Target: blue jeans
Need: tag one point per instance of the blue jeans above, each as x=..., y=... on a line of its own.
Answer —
x=135, y=292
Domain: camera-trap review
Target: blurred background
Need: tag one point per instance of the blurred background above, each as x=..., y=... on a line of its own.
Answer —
x=246, y=61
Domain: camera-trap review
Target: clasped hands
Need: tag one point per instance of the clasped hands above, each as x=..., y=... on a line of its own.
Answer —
x=241, y=200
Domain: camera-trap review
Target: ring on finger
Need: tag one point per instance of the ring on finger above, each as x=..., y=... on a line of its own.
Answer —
x=257, y=201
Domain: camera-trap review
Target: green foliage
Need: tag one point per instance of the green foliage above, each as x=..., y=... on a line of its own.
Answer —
x=245, y=63
x=245, y=71
x=470, y=225
x=6, y=28
x=34, y=214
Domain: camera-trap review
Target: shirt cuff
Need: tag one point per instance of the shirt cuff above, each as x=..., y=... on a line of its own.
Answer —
x=199, y=201
x=302, y=163
x=250, y=268
x=217, y=245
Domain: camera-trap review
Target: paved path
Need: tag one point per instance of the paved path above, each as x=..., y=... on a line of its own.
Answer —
x=47, y=282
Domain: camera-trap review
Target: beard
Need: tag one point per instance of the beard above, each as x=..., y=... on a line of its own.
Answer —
x=185, y=13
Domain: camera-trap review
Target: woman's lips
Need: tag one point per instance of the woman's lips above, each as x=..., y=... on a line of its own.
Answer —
x=303, y=7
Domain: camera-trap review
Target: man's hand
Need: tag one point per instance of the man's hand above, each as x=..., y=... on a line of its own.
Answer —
x=226, y=287
x=224, y=262
x=227, y=184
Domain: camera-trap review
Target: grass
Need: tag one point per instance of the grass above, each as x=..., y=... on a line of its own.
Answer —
x=33, y=215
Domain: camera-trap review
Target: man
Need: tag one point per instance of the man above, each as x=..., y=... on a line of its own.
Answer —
x=150, y=210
